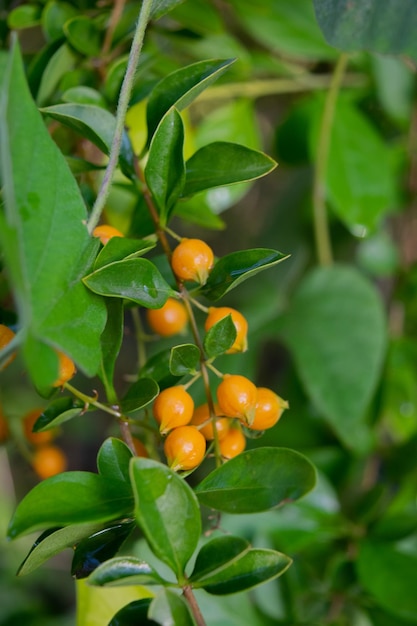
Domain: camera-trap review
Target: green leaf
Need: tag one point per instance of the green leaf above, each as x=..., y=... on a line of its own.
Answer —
x=24, y=16
x=181, y=87
x=257, y=480
x=220, y=337
x=124, y=570
x=167, y=511
x=165, y=169
x=98, y=606
x=71, y=498
x=359, y=175
x=170, y=609
x=79, y=166
x=234, y=268
x=217, y=554
x=54, y=16
x=45, y=244
x=41, y=362
x=387, y=27
x=98, y=548
x=139, y=395
x=113, y=460
x=57, y=412
x=184, y=359
x=58, y=64
x=336, y=331
x=223, y=163
x=137, y=280
x=161, y=7
x=157, y=367
x=133, y=614
x=120, y=248
x=52, y=542
x=96, y=124
x=84, y=95
x=111, y=341
x=83, y=35
x=388, y=572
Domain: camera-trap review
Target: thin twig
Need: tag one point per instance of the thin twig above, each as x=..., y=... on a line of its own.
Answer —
x=192, y=603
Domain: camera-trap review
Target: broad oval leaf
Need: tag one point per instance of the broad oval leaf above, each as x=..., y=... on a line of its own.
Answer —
x=220, y=337
x=71, y=498
x=83, y=35
x=57, y=412
x=167, y=511
x=113, y=460
x=170, y=609
x=217, y=554
x=24, y=16
x=54, y=16
x=257, y=480
x=181, y=87
x=184, y=359
x=234, y=268
x=140, y=394
x=52, y=542
x=124, y=570
x=137, y=280
x=134, y=613
x=165, y=168
x=120, y=248
x=223, y=163
x=98, y=548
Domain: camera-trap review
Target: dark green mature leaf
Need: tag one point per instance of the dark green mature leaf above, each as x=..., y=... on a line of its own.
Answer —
x=52, y=542
x=125, y=570
x=338, y=346
x=57, y=412
x=223, y=163
x=98, y=548
x=257, y=480
x=160, y=7
x=83, y=35
x=113, y=460
x=167, y=512
x=388, y=27
x=71, y=498
x=170, y=609
x=157, y=367
x=111, y=341
x=96, y=124
x=388, y=572
x=140, y=394
x=134, y=613
x=234, y=268
x=220, y=337
x=217, y=554
x=181, y=87
x=54, y=16
x=45, y=244
x=165, y=168
x=119, y=248
x=137, y=280
x=184, y=359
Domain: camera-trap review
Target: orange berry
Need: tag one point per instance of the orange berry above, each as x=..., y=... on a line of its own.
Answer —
x=105, y=232
x=193, y=260
x=233, y=444
x=173, y=407
x=184, y=448
x=237, y=397
x=140, y=448
x=4, y=428
x=202, y=414
x=216, y=314
x=268, y=410
x=36, y=438
x=49, y=460
x=169, y=320
x=6, y=335
x=66, y=369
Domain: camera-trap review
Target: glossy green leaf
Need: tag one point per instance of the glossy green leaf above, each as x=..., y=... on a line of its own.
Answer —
x=45, y=244
x=54, y=16
x=84, y=95
x=388, y=572
x=184, y=359
x=113, y=460
x=120, y=248
x=71, y=498
x=58, y=64
x=252, y=568
x=83, y=35
x=52, y=542
x=161, y=7
x=386, y=27
x=257, y=480
x=133, y=614
x=41, y=363
x=165, y=169
x=167, y=511
x=223, y=163
x=181, y=87
x=24, y=16
x=111, y=341
x=57, y=412
x=220, y=337
x=125, y=570
x=217, y=554
x=140, y=394
x=359, y=174
x=97, y=548
x=234, y=268
x=137, y=280
x=338, y=347
x=96, y=124
x=157, y=367
x=170, y=609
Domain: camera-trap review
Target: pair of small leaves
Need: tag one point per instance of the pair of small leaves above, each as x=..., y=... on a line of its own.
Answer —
x=185, y=358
